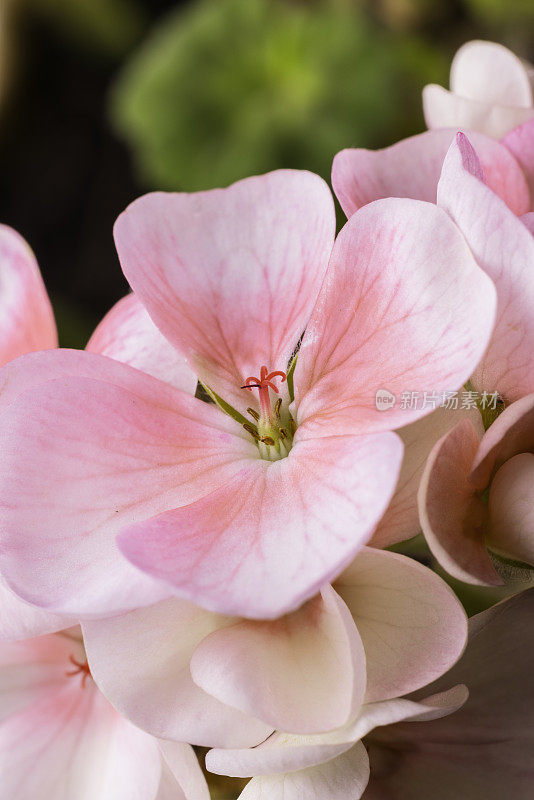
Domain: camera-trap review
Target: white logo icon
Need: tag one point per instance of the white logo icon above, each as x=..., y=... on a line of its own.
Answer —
x=384, y=400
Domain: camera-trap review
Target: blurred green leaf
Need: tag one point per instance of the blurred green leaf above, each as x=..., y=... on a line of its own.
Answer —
x=229, y=88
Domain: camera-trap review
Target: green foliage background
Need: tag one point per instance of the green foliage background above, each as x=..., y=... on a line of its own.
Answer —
x=225, y=89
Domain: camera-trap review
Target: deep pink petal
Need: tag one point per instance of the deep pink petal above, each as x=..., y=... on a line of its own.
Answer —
x=504, y=248
x=520, y=142
x=230, y=275
x=412, y=626
x=340, y=779
x=268, y=540
x=26, y=316
x=456, y=536
x=83, y=458
x=405, y=308
x=303, y=673
x=511, y=509
x=401, y=520
x=485, y=748
x=128, y=334
x=411, y=168
x=141, y=663
x=510, y=434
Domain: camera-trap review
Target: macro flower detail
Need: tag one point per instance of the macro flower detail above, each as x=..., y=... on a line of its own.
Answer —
x=227, y=516
x=270, y=429
x=119, y=464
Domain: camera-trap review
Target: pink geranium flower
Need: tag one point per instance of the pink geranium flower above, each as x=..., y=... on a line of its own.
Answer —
x=473, y=740
x=60, y=738
x=242, y=513
x=387, y=626
x=457, y=469
x=500, y=242
x=462, y=470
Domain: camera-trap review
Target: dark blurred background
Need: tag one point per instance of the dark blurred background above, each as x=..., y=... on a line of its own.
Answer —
x=102, y=100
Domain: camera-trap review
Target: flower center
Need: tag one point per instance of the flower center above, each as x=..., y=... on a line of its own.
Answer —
x=81, y=668
x=273, y=427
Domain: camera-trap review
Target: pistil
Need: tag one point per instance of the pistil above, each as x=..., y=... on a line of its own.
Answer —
x=81, y=668
x=272, y=434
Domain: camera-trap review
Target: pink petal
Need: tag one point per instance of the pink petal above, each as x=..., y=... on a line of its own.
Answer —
x=412, y=626
x=141, y=663
x=128, y=334
x=401, y=520
x=528, y=221
x=388, y=712
x=491, y=73
x=411, y=168
x=281, y=753
x=511, y=509
x=181, y=763
x=490, y=92
x=19, y=620
x=504, y=248
x=34, y=669
x=284, y=753
x=34, y=369
x=266, y=542
x=510, y=434
x=230, y=276
x=445, y=109
x=456, y=537
x=87, y=458
x=72, y=745
x=26, y=316
x=340, y=779
x=484, y=749
x=303, y=673
x=520, y=142
x=405, y=309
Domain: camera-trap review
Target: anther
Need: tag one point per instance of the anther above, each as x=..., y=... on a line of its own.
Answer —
x=277, y=407
x=292, y=426
x=253, y=414
x=283, y=433
x=252, y=430
x=267, y=440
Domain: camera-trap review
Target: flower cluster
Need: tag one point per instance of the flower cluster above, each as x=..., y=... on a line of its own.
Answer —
x=209, y=568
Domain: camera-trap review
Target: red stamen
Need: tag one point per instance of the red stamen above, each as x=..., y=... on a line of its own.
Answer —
x=82, y=668
x=264, y=383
